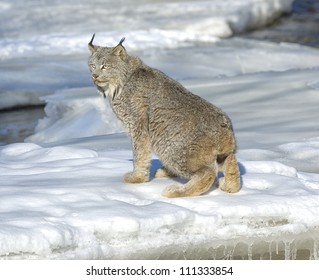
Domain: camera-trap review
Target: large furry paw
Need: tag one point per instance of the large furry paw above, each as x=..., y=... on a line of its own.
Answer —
x=230, y=188
x=163, y=173
x=174, y=191
x=134, y=178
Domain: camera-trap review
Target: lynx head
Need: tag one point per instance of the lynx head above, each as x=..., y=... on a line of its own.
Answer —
x=109, y=66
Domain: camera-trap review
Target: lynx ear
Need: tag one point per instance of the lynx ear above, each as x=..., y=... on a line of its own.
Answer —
x=119, y=50
x=92, y=48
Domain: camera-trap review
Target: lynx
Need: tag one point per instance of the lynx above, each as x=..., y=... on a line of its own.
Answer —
x=192, y=138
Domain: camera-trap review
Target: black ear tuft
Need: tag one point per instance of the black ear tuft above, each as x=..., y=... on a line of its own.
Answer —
x=122, y=40
x=119, y=50
x=92, y=48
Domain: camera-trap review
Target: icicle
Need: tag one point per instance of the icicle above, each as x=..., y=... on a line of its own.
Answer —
x=230, y=253
x=250, y=251
x=293, y=251
x=214, y=253
x=277, y=247
x=287, y=251
x=270, y=251
x=226, y=253
x=184, y=255
x=312, y=250
x=315, y=249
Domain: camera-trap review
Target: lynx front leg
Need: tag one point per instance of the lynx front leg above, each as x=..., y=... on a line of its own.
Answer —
x=141, y=153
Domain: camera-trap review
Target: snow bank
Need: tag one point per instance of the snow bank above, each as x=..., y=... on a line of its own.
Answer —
x=69, y=202
x=74, y=114
x=302, y=155
x=64, y=32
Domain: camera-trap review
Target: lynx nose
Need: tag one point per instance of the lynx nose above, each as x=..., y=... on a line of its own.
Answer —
x=94, y=76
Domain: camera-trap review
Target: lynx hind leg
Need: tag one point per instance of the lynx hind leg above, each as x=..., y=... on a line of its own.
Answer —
x=199, y=183
x=163, y=172
x=231, y=181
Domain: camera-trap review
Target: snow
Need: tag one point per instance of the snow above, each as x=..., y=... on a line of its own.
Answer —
x=66, y=201
x=62, y=195
x=52, y=36
x=149, y=24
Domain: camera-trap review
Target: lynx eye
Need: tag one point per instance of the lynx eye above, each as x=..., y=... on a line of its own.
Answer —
x=104, y=67
x=92, y=66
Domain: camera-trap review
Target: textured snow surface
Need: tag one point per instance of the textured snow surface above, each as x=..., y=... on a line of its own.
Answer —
x=61, y=191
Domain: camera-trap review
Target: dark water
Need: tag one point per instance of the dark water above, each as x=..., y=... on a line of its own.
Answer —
x=16, y=125
x=301, y=27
